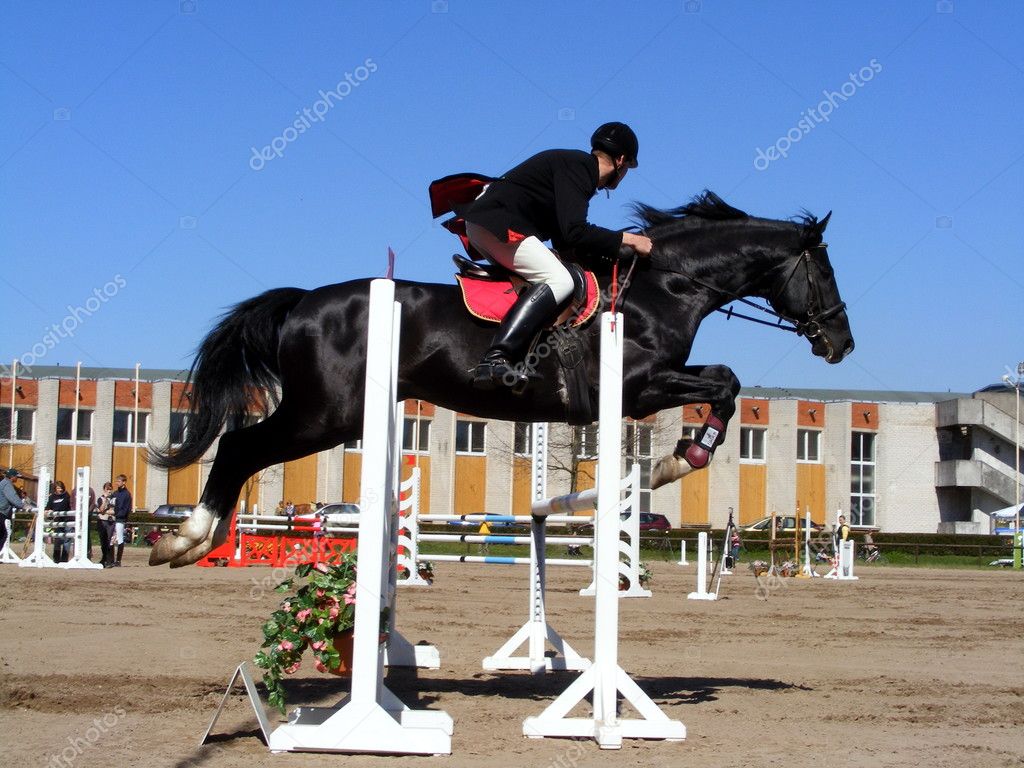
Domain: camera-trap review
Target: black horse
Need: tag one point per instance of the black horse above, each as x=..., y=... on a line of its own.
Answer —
x=312, y=346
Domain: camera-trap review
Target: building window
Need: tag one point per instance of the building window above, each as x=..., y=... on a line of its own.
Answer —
x=752, y=444
x=70, y=428
x=24, y=424
x=808, y=445
x=639, y=443
x=469, y=436
x=523, y=439
x=416, y=435
x=862, y=478
x=125, y=428
x=179, y=427
x=587, y=437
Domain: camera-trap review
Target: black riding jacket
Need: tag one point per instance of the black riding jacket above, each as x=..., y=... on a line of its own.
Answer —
x=546, y=196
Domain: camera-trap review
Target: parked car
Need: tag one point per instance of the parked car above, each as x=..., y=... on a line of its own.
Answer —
x=339, y=508
x=175, y=511
x=648, y=522
x=785, y=524
x=652, y=522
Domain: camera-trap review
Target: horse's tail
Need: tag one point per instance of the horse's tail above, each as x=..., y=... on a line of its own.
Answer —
x=234, y=370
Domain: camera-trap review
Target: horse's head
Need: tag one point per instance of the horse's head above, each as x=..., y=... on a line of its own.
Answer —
x=805, y=293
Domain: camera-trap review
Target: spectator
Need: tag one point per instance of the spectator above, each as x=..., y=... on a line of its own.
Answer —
x=841, y=533
x=122, y=509
x=734, y=545
x=485, y=530
x=105, y=525
x=59, y=504
x=10, y=500
x=870, y=550
x=289, y=509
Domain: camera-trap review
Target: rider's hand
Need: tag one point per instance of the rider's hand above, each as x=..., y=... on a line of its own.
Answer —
x=639, y=243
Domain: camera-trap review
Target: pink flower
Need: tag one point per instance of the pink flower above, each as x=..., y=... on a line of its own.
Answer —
x=320, y=666
x=350, y=595
x=320, y=593
x=320, y=621
x=333, y=613
x=322, y=567
x=303, y=614
x=287, y=606
x=318, y=645
x=286, y=645
x=293, y=668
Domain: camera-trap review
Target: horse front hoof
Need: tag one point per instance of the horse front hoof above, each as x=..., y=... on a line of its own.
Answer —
x=668, y=470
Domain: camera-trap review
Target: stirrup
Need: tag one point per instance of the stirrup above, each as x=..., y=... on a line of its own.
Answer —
x=490, y=374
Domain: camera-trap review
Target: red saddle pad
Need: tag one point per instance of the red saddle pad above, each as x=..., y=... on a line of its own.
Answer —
x=491, y=299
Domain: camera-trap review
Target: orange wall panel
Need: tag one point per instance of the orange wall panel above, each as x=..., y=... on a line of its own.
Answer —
x=752, y=493
x=696, y=413
x=29, y=394
x=864, y=415
x=810, y=490
x=810, y=414
x=300, y=481
x=351, y=479
x=693, y=503
x=122, y=465
x=124, y=395
x=86, y=391
x=522, y=485
x=753, y=412
x=470, y=484
x=183, y=486
x=68, y=459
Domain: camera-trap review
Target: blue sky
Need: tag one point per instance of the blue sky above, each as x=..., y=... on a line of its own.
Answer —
x=133, y=211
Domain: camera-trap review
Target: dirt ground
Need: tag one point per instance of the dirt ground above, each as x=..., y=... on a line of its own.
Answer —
x=905, y=667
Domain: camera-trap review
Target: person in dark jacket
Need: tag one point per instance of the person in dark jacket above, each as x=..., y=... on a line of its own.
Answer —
x=10, y=500
x=59, y=505
x=546, y=198
x=122, y=509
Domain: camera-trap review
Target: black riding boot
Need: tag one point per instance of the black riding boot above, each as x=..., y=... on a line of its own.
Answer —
x=120, y=551
x=533, y=311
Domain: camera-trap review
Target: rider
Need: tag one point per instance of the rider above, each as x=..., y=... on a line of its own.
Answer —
x=546, y=198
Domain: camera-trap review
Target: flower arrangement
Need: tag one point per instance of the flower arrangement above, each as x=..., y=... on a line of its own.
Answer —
x=426, y=570
x=312, y=617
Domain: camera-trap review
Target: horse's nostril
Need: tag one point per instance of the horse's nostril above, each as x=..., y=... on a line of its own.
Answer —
x=848, y=348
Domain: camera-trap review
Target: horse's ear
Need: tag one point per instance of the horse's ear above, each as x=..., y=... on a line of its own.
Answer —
x=824, y=223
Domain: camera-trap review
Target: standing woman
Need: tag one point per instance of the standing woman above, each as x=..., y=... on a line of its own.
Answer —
x=105, y=518
x=59, y=502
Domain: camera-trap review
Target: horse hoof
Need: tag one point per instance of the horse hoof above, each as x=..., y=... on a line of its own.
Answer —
x=668, y=470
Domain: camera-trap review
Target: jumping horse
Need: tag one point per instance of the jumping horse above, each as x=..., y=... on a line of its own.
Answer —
x=310, y=347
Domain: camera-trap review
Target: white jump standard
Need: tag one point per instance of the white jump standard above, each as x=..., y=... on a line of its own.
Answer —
x=605, y=678
x=371, y=718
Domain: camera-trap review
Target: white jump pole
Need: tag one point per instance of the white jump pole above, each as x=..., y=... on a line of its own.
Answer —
x=629, y=563
x=605, y=678
x=536, y=633
x=81, y=559
x=808, y=569
x=702, y=570
x=38, y=557
x=409, y=532
x=682, y=552
x=7, y=554
x=372, y=719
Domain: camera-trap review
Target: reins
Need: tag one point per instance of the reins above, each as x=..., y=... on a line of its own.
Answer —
x=811, y=327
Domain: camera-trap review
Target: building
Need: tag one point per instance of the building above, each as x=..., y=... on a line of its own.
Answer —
x=896, y=461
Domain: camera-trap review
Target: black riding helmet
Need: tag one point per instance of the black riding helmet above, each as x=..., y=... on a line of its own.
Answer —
x=617, y=139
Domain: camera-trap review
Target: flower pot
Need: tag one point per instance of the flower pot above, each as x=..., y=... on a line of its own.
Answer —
x=343, y=644
x=426, y=576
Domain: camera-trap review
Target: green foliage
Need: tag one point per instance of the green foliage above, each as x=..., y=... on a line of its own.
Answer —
x=310, y=618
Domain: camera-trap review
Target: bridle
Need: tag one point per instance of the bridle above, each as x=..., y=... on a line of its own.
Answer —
x=811, y=327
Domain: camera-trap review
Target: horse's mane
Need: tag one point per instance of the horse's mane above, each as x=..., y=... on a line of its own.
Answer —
x=705, y=207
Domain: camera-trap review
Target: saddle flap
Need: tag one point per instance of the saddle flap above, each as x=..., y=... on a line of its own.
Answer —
x=490, y=299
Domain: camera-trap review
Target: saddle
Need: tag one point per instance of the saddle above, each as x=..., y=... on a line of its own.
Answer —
x=490, y=290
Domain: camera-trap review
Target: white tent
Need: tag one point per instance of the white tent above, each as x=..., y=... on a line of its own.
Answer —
x=1007, y=513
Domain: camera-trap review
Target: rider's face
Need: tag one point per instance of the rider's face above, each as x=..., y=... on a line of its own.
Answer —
x=618, y=174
